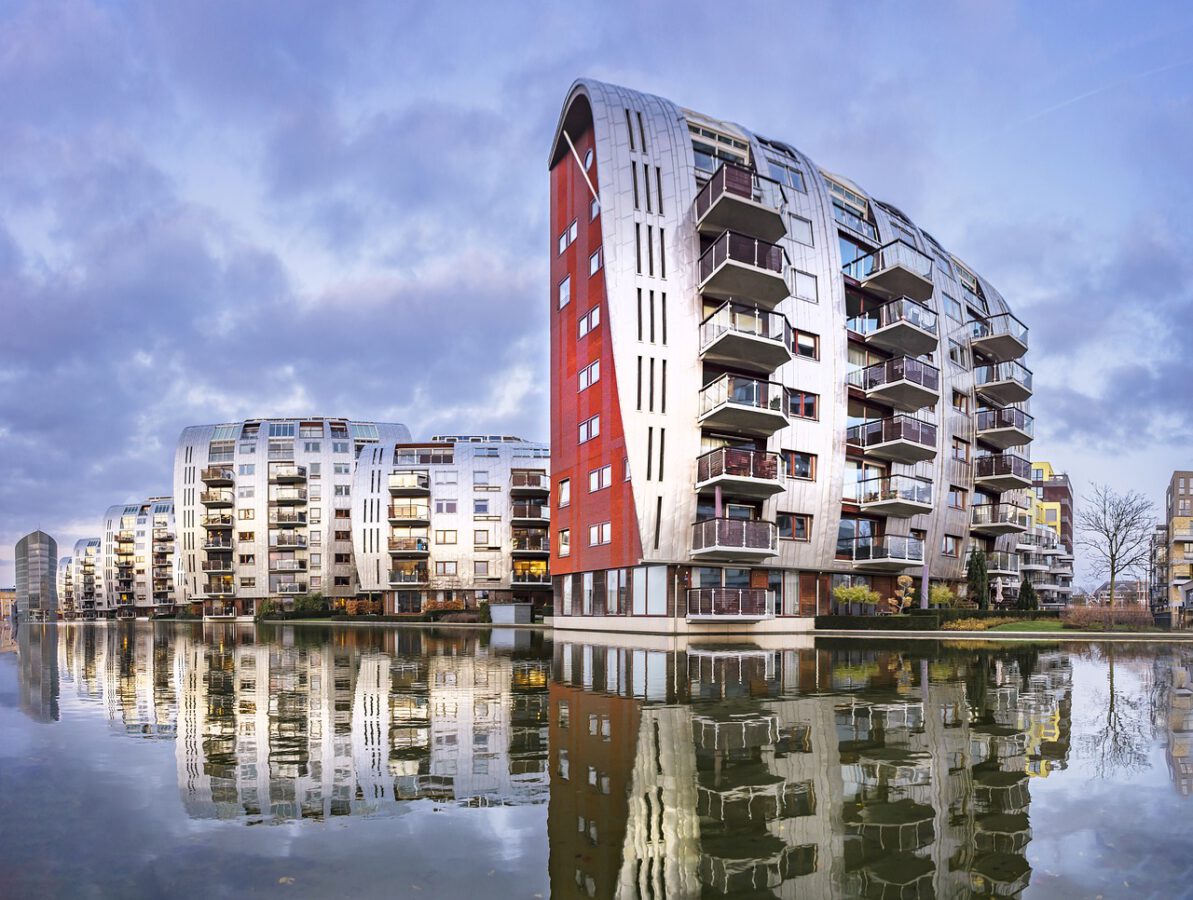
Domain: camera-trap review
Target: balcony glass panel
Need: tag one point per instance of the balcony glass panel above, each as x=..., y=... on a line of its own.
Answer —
x=903, y=310
x=734, y=247
x=737, y=463
x=901, y=368
x=741, y=319
x=745, y=534
x=896, y=253
x=742, y=391
x=1010, y=417
x=730, y=602
x=892, y=428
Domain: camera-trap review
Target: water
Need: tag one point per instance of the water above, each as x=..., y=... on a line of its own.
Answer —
x=303, y=761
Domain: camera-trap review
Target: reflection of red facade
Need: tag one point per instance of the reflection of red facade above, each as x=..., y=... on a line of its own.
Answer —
x=571, y=201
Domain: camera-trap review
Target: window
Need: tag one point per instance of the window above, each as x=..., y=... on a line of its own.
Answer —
x=590, y=428
x=445, y=536
x=799, y=465
x=805, y=286
x=246, y=536
x=590, y=375
x=447, y=567
x=794, y=526
x=593, y=208
x=565, y=541
x=480, y=478
x=957, y=497
x=594, y=262
x=246, y=514
x=248, y=582
x=953, y=308
x=343, y=558
x=960, y=450
x=590, y=320
x=600, y=534
x=339, y=447
x=956, y=353
x=281, y=429
x=341, y=468
x=588, y=159
x=568, y=235
x=565, y=291
x=800, y=229
x=951, y=545
x=785, y=173
x=565, y=492
x=248, y=559
x=342, y=490
x=480, y=567
x=961, y=402
x=480, y=507
x=312, y=446
x=445, y=506
x=600, y=478
x=445, y=476
x=801, y=404
x=480, y=537
x=247, y=468
x=807, y=345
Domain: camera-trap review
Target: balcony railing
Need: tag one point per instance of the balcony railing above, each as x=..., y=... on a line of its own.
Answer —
x=736, y=462
x=288, y=495
x=1001, y=336
x=411, y=576
x=292, y=588
x=1011, y=377
x=216, y=521
x=413, y=481
x=530, y=511
x=217, y=545
x=218, y=565
x=994, y=514
x=903, y=311
x=530, y=481
x=416, y=511
x=740, y=248
x=123, y=537
x=217, y=498
x=287, y=472
x=893, y=548
x=526, y=577
x=278, y=517
x=890, y=489
x=884, y=270
x=1002, y=562
x=288, y=565
x=1009, y=417
x=749, y=322
x=729, y=603
x=410, y=545
x=745, y=534
x=532, y=543
x=218, y=475
x=890, y=429
x=738, y=390
x=288, y=540
x=901, y=368
x=732, y=198
x=1001, y=465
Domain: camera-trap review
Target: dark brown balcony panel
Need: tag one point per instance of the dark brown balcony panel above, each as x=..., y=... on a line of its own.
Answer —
x=901, y=326
x=903, y=383
x=744, y=268
x=528, y=511
x=733, y=200
x=1002, y=384
x=1000, y=338
x=734, y=539
x=529, y=484
x=901, y=439
x=1001, y=472
x=1003, y=428
x=728, y=604
x=410, y=546
x=896, y=269
x=739, y=472
x=746, y=337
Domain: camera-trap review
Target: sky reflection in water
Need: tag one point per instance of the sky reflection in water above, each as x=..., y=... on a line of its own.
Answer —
x=143, y=760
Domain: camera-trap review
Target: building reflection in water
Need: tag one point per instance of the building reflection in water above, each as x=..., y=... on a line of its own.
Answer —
x=282, y=724
x=818, y=772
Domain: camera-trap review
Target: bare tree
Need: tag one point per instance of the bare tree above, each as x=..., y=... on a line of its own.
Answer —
x=1116, y=529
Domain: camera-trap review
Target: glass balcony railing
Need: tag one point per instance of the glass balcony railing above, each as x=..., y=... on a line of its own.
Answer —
x=218, y=565
x=278, y=517
x=999, y=465
x=890, y=429
x=410, y=545
x=729, y=178
x=891, y=548
x=743, y=534
x=419, y=511
x=987, y=514
x=752, y=603
x=530, y=481
x=531, y=543
x=288, y=495
x=740, y=248
x=216, y=521
x=853, y=221
x=1003, y=372
x=901, y=311
x=287, y=472
x=530, y=511
x=409, y=480
x=218, y=474
x=897, y=253
x=739, y=390
x=417, y=575
x=288, y=565
x=749, y=321
x=1010, y=417
x=528, y=576
x=1002, y=562
x=287, y=540
x=890, y=488
x=1002, y=324
x=901, y=368
x=737, y=463
x=217, y=498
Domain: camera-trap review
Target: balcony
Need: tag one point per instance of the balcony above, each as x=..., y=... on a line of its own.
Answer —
x=409, y=483
x=406, y=578
x=903, y=383
x=529, y=484
x=217, y=544
x=1001, y=562
x=896, y=269
x=731, y=200
x=901, y=439
x=746, y=337
x=218, y=588
x=410, y=546
x=1001, y=338
x=164, y=547
x=218, y=476
x=1003, y=383
x=1003, y=428
x=1000, y=472
x=410, y=514
x=287, y=473
x=739, y=472
x=717, y=604
x=213, y=521
x=889, y=554
x=123, y=537
x=528, y=578
x=531, y=545
x=292, y=587
x=288, y=496
x=217, y=499
x=287, y=565
x=288, y=539
x=218, y=565
x=734, y=539
x=898, y=496
x=744, y=268
x=999, y=518
x=527, y=512
x=901, y=326
x=282, y=519
x=743, y=405
x=1033, y=562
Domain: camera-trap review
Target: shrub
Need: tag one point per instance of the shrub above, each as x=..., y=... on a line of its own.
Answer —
x=1027, y=596
x=857, y=593
x=1097, y=618
x=311, y=603
x=942, y=595
x=976, y=624
x=468, y=618
x=905, y=594
x=266, y=608
x=486, y=615
x=977, y=579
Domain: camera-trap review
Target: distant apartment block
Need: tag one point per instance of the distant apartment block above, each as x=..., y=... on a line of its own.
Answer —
x=1172, y=547
x=36, y=563
x=138, y=555
x=89, y=596
x=1053, y=505
x=766, y=383
x=66, y=589
x=452, y=522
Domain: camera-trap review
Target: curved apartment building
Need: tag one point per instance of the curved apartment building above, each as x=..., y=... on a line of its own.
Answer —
x=263, y=510
x=458, y=520
x=87, y=579
x=138, y=556
x=766, y=382
x=66, y=588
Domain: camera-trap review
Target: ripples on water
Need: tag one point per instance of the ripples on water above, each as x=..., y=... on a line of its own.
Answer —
x=440, y=762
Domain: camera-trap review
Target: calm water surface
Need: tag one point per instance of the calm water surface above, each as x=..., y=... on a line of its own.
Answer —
x=184, y=760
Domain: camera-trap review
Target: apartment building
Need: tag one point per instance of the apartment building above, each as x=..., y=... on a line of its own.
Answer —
x=1172, y=548
x=36, y=562
x=765, y=382
x=87, y=579
x=8, y=599
x=263, y=510
x=66, y=589
x=1053, y=504
x=138, y=557
x=452, y=522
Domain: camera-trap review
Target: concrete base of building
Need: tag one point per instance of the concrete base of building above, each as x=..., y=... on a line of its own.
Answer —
x=674, y=625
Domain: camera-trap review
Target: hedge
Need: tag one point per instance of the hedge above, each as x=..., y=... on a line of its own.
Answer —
x=926, y=622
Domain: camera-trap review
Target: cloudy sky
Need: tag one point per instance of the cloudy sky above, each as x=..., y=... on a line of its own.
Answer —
x=217, y=210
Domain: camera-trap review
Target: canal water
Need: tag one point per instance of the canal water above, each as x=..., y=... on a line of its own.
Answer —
x=186, y=760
